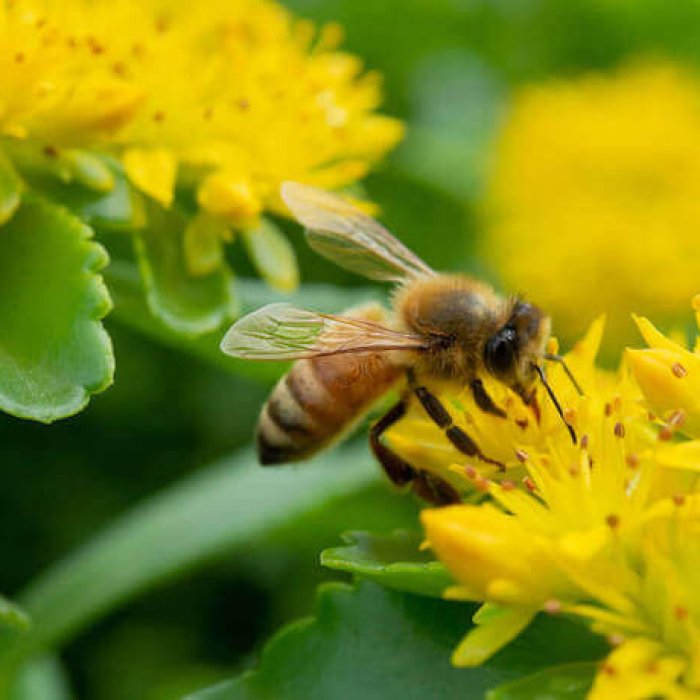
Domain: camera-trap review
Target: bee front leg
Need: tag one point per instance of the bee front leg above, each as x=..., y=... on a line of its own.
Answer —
x=425, y=485
x=441, y=417
x=483, y=400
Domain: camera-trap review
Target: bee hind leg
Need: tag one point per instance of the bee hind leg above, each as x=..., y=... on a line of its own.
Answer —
x=434, y=489
x=426, y=486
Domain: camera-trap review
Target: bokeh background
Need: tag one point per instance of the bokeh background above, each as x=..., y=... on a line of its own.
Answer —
x=455, y=71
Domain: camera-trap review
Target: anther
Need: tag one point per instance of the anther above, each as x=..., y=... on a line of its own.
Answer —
x=529, y=484
x=680, y=612
x=507, y=485
x=619, y=430
x=552, y=607
x=584, y=442
x=666, y=433
x=612, y=521
x=481, y=483
x=470, y=471
x=569, y=415
x=676, y=419
x=522, y=456
x=615, y=639
x=608, y=409
x=632, y=460
x=679, y=499
x=679, y=370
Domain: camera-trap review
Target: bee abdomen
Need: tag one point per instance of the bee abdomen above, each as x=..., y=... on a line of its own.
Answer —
x=316, y=402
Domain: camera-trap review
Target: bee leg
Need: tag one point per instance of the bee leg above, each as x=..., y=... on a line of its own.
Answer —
x=399, y=471
x=434, y=489
x=440, y=416
x=484, y=401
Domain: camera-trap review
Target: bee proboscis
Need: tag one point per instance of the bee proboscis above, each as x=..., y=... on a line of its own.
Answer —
x=443, y=327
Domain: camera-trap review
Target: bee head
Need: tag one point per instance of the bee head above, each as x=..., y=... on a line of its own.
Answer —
x=514, y=350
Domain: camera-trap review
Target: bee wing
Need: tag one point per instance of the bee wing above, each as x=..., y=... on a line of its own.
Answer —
x=341, y=232
x=285, y=332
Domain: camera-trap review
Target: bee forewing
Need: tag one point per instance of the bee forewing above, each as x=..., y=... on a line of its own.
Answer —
x=285, y=332
x=341, y=232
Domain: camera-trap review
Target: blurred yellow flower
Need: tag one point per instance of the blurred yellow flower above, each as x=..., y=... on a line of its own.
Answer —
x=594, y=195
x=607, y=530
x=232, y=96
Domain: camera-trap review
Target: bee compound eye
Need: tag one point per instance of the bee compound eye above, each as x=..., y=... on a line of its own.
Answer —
x=500, y=352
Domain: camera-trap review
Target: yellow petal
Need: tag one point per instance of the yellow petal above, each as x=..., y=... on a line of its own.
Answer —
x=653, y=337
x=230, y=197
x=153, y=171
x=670, y=381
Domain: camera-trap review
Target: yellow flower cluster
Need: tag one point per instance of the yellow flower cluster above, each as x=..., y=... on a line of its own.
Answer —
x=231, y=96
x=594, y=194
x=606, y=530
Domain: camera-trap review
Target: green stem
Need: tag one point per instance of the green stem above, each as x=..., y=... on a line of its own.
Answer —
x=206, y=516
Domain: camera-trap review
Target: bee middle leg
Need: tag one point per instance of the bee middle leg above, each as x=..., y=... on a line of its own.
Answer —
x=427, y=486
x=441, y=417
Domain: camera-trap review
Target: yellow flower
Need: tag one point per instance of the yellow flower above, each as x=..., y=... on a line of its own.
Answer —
x=669, y=376
x=607, y=530
x=594, y=193
x=231, y=96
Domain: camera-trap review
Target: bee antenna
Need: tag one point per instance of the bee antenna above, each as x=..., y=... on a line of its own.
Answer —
x=554, y=400
x=559, y=359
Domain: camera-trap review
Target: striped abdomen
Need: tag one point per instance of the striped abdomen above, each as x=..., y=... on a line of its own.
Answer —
x=318, y=401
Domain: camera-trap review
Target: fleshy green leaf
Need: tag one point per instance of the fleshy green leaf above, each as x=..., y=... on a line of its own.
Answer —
x=273, y=256
x=188, y=304
x=393, y=560
x=373, y=643
x=10, y=189
x=563, y=682
x=125, y=284
x=94, y=187
x=54, y=352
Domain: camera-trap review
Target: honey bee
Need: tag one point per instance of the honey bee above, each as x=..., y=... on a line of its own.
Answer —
x=443, y=327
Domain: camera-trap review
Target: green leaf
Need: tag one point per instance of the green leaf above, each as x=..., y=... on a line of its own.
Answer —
x=208, y=515
x=562, y=682
x=273, y=256
x=187, y=304
x=125, y=284
x=373, y=643
x=10, y=189
x=81, y=182
x=394, y=560
x=54, y=352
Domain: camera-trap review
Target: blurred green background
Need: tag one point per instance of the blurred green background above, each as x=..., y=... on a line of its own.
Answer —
x=450, y=67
